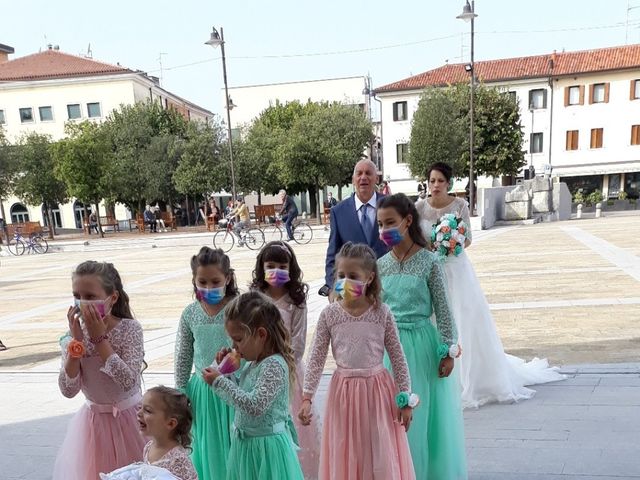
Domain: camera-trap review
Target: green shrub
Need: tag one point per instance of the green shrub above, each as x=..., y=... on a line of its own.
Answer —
x=622, y=196
x=578, y=197
x=594, y=197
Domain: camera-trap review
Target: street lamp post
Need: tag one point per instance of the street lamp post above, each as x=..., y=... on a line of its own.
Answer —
x=468, y=14
x=215, y=40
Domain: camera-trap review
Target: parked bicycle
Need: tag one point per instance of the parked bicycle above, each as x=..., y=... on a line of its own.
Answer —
x=34, y=243
x=225, y=239
x=302, y=232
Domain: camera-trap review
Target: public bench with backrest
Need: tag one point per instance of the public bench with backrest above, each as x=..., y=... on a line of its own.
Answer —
x=25, y=228
x=105, y=221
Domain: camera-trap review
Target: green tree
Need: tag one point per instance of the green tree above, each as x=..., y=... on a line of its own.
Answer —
x=141, y=136
x=37, y=182
x=440, y=132
x=7, y=171
x=82, y=161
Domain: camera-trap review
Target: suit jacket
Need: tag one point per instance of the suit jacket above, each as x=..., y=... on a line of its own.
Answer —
x=346, y=227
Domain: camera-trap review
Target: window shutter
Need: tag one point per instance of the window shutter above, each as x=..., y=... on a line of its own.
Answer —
x=575, y=140
x=566, y=97
x=544, y=98
x=530, y=97
x=632, y=90
x=606, y=92
x=581, y=94
x=590, y=94
x=395, y=112
x=593, y=138
x=567, y=145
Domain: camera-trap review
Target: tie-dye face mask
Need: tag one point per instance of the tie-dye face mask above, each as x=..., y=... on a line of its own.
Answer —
x=350, y=289
x=392, y=236
x=212, y=296
x=99, y=305
x=276, y=277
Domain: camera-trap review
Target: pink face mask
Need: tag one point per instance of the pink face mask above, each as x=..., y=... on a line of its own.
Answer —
x=99, y=305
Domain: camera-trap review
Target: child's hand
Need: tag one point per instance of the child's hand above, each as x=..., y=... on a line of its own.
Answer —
x=73, y=317
x=405, y=415
x=96, y=326
x=221, y=354
x=305, y=414
x=446, y=367
x=209, y=374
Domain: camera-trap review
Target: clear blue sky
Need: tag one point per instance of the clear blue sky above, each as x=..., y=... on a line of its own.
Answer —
x=135, y=32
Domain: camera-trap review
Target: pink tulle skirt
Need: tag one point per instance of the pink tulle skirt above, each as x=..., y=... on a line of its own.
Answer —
x=98, y=442
x=361, y=437
x=308, y=436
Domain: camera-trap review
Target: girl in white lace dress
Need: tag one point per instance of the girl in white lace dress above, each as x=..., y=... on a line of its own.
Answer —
x=487, y=373
x=367, y=413
x=278, y=275
x=102, y=356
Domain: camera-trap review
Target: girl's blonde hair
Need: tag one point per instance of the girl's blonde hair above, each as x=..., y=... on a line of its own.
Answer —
x=368, y=261
x=253, y=310
x=178, y=406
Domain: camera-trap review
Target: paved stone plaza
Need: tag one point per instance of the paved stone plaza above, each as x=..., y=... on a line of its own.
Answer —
x=566, y=291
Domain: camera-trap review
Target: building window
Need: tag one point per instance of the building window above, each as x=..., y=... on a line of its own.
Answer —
x=574, y=95
x=632, y=184
x=402, y=152
x=73, y=111
x=635, y=90
x=572, y=140
x=93, y=110
x=537, y=98
x=26, y=115
x=596, y=137
x=19, y=213
x=513, y=96
x=2, y=119
x=599, y=93
x=46, y=114
x=399, y=111
x=536, y=143
x=635, y=134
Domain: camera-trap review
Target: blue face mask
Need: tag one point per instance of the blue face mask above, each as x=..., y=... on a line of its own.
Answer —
x=212, y=296
x=392, y=236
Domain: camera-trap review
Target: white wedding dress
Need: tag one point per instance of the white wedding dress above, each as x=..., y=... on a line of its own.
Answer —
x=487, y=373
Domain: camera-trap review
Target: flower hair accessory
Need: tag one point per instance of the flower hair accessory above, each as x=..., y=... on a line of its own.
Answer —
x=455, y=351
x=76, y=349
x=406, y=399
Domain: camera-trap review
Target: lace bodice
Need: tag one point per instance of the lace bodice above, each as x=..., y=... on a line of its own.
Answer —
x=199, y=338
x=112, y=381
x=295, y=319
x=261, y=399
x=430, y=216
x=415, y=289
x=356, y=342
x=176, y=461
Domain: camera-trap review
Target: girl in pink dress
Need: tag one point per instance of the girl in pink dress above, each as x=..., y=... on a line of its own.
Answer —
x=278, y=275
x=102, y=355
x=367, y=413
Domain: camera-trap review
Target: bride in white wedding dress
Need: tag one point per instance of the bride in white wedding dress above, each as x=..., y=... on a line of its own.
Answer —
x=487, y=373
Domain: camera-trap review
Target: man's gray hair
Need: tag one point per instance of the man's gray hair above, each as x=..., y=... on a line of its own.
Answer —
x=367, y=161
x=283, y=191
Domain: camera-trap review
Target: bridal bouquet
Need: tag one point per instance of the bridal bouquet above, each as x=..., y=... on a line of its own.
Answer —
x=448, y=235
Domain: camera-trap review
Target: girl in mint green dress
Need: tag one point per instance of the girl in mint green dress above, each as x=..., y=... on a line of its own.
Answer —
x=263, y=442
x=414, y=288
x=201, y=335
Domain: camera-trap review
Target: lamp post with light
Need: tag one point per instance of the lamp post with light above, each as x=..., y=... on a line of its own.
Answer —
x=215, y=40
x=468, y=15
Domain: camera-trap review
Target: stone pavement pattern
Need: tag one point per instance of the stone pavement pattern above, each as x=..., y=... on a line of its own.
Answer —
x=566, y=291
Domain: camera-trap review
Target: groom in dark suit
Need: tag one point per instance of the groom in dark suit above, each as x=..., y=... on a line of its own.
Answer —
x=354, y=219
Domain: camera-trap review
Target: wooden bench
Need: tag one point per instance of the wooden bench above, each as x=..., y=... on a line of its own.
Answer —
x=169, y=220
x=106, y=221
x=26, y=229
x=263, y=213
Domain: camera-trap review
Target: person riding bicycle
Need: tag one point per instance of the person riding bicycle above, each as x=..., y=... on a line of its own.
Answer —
x=241, y=211
x=289, y=212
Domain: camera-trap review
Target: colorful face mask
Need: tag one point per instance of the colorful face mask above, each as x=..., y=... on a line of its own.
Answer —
x=100, y=306
x=392, y=236
x=350, y=289
x=276, y=277
x=212, y=296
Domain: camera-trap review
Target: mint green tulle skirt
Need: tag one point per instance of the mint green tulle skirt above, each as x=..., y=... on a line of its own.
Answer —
x=270, y=457
x=436, y=435
x=211, y=430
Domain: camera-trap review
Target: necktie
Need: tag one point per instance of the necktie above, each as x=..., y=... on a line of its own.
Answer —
x=365, y=222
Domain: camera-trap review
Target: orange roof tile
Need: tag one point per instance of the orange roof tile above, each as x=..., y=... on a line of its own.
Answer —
x=52, y=64
x=539, y=66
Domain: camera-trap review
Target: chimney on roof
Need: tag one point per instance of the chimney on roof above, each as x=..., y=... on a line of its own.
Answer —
x=5, y=51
